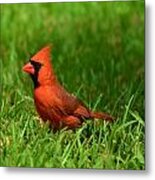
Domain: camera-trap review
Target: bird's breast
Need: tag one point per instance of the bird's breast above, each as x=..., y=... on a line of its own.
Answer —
x=46, y=104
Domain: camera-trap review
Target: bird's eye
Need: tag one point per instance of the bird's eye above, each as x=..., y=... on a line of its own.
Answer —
x=36, y=65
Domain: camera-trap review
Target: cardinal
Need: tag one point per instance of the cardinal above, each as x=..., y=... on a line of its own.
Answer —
x=53, y=102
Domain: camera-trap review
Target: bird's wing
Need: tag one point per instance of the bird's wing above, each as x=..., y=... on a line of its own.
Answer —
x=82, y=112
x=71, y=105
x=64, y=104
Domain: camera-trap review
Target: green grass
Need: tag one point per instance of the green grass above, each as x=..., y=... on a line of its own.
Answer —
x=98, y=54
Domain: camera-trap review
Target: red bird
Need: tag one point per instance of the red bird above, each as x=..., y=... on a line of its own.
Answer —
x=52, y=101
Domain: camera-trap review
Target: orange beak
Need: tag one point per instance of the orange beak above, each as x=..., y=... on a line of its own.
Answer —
x=28, y=68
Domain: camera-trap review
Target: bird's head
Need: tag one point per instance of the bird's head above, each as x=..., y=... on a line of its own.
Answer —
x=39, y=67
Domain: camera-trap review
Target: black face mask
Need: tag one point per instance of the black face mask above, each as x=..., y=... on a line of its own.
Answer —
x=34, y=76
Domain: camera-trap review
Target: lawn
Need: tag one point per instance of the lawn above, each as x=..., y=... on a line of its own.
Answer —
x=98, y=55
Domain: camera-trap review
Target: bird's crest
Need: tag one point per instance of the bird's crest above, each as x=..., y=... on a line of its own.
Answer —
x=43, y=56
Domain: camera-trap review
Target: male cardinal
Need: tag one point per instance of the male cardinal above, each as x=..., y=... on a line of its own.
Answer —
x=52, y=101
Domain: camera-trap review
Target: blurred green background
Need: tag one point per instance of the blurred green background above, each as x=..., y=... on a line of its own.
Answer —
x=98, y=54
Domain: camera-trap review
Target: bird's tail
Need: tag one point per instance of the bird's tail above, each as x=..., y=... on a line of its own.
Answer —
x=101, y=115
